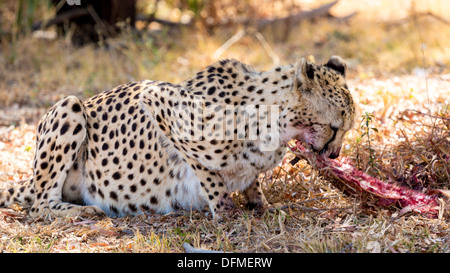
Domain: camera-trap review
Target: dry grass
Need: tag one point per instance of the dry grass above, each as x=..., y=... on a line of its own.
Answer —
x=411, y=114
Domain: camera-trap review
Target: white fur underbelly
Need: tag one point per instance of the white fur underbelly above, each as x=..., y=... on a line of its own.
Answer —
x=187, y=196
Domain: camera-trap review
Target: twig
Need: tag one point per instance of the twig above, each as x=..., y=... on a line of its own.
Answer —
x=234, y=39
x=97, y=20
x=269, y=50
x=296, y=205
x=293, y=177
x=66, y=16
x=426, y=114
x=5, y=130
x=322, y=11
x=416, y=16
x=296, y=18
x=151, y=18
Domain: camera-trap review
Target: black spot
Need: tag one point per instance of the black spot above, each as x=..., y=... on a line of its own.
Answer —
x=105, y=146
x=55, y=126
x=113, y=195
x=77, y=129
x=116, y=160
x=92, y=189
x=93, y=153
x=116, y=175
x=130, y=165
x=44, y=165
x=154, y=200
x=114, y=209
x=64, y=128
x=157, y=181
x=132, y=207
x=66, y=148
x=211, y=90
x=76, y=108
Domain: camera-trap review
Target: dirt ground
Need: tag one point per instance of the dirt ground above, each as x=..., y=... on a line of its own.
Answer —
x=400, y=74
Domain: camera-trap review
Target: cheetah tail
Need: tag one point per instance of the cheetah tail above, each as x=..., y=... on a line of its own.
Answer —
x=21, y=193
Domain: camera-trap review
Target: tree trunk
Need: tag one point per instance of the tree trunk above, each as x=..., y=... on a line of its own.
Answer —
x=91, y=21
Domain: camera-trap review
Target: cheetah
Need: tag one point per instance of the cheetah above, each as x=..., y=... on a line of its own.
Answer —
x=161, y=147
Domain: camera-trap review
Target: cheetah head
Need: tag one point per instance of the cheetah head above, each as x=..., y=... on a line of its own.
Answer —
x=323, y=110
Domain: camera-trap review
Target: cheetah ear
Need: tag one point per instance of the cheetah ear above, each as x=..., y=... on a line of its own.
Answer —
x=304, y=71
x=337, y=64
x=307, y=69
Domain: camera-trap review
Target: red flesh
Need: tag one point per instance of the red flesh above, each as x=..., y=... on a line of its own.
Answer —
x=409, y=200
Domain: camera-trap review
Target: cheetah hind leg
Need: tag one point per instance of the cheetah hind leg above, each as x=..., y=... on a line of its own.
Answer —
x=21, y=193
x=59, y=139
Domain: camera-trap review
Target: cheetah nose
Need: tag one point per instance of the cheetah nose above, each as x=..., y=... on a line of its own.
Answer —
x=335, y=154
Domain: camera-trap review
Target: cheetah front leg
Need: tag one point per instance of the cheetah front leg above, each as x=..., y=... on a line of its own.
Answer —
x=212, y=189
x=255, y=196
x=60, y=137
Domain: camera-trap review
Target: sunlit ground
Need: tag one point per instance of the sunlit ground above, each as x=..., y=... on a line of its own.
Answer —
x=398, y=71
